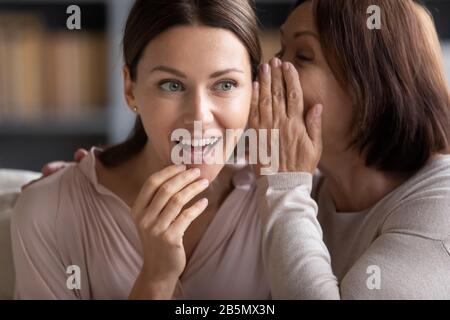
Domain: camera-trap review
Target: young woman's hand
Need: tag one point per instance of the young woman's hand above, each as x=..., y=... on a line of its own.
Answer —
x=161, y=218
x=278, y=104
x=52, y=167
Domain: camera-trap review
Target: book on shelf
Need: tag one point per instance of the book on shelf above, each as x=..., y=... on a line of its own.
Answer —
x=46, y=72
x=20, y=86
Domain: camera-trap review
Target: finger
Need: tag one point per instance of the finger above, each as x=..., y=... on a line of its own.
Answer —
x=178, y=201
x=80, y=154
x=278, y=95
x=265, y=94
x=167, y=190
x=152, y=184
x=184, y=220
x=294, y=91
x=254, y=110
x=52, y=167
x=314, y=125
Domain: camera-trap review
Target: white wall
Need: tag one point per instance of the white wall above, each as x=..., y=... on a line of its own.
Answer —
x=446, y=56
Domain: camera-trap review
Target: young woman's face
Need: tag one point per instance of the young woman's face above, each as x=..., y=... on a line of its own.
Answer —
x=301, y=46
x=192, y=74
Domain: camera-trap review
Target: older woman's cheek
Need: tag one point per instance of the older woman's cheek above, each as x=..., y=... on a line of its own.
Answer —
x=311, y=97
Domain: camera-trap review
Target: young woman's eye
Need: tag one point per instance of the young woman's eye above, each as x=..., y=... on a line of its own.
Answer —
x=171, y=86
x=226, y=86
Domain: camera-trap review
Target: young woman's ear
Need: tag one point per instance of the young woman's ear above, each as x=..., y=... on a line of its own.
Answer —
x=129, y=88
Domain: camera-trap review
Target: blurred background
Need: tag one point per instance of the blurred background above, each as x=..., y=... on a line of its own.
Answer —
x=61, y=89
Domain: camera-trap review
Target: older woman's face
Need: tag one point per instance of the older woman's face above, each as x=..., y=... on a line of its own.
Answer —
x=301, y=46
x=190, y=75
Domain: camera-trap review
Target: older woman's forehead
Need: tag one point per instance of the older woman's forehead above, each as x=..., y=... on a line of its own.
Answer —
x=301, y=19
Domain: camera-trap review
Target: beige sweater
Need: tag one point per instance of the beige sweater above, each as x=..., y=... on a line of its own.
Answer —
x=398, y=249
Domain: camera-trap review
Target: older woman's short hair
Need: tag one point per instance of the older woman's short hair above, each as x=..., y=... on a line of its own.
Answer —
x=395, y=76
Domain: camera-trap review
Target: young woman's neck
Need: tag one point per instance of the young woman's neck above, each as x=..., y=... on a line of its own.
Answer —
x=144, y=164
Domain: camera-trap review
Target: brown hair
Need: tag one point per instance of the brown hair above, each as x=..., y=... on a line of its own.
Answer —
x=149, y=18
x=395, y=75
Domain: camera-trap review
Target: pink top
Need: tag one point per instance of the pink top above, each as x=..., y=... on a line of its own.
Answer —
x=70, y=219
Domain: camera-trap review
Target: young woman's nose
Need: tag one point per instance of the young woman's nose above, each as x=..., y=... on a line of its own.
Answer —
x=198, y=108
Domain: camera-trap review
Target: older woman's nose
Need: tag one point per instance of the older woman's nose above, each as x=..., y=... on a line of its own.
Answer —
x=287, y=57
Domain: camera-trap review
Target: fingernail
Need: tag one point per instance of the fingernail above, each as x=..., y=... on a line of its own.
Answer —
x=204, y=182
x=286, y=66
x=204, y=202
x=265, y=68
x=318, y=111
x=181, y=167
x=196, y=171
x=279, y=63
x=255, y=85
x=273, y=63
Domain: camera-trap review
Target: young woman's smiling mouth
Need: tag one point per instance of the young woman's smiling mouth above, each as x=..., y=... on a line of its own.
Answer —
x=198, y=148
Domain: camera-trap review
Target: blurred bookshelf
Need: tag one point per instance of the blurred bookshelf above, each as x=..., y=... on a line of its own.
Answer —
x=62, y=89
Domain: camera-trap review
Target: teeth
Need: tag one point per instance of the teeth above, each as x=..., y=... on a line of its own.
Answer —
x=199, y=142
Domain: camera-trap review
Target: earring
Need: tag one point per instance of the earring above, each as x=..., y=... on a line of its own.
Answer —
x=135, y=109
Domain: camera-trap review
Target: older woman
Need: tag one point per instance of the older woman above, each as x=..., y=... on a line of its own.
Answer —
x=374, y=221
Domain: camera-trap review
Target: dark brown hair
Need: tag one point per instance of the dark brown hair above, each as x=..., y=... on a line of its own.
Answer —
x=149, y=18
x=395, y=76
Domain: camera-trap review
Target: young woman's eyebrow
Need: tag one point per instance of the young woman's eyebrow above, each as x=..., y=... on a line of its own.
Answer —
x=222, y=72
x=169, y=70
x=182, y=75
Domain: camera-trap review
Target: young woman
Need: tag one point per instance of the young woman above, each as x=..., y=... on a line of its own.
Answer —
x=125, y=222
x=374, y=222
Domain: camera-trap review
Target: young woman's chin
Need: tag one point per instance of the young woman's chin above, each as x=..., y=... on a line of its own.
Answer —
x=208, y=171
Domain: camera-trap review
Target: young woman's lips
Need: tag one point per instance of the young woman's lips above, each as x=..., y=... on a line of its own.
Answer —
x=199, y=152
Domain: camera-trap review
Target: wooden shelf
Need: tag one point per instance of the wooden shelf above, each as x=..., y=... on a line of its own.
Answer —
x=93, y=124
